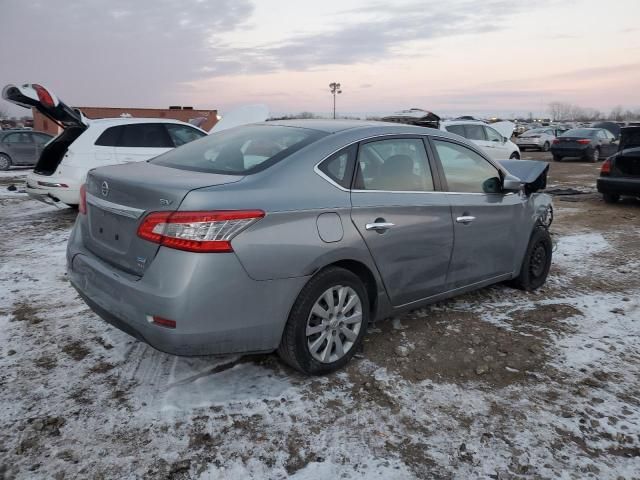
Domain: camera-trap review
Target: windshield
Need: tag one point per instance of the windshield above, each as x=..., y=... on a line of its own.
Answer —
x=579, y=132
x=239, y=151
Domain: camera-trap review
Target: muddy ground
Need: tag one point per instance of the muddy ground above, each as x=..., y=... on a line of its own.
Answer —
x=494, y=384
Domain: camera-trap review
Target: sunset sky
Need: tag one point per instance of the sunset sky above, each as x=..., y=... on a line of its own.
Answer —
x=451, y=57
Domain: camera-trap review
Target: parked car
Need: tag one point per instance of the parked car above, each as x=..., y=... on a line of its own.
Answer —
x=85, y=144
x=294, y=235
x=587, y=143
x=620, y=173
x=493, y=139
x=21, y=147
x=538, y=138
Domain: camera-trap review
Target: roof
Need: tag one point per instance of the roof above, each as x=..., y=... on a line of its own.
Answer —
x=326, y=125
x=128, y=120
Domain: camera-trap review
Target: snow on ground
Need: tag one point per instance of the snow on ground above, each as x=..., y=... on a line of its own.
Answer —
x=496, y=384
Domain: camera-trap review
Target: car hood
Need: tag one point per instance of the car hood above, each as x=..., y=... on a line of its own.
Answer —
x=242, y=116
x=504, y=128
x=530, y=172
x=32, y=95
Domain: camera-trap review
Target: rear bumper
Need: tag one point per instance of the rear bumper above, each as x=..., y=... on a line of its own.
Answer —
x=572, y=152
x=41, y=188
x=217, y=307
x=619, y=185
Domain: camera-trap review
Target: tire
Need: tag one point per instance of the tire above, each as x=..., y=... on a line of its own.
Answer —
x=610, y=197
x=557, y=158
x=5, y=162
x=594, y=156
x=514, y=156
x=297, y=348
x=546, y=147
x=537, y=261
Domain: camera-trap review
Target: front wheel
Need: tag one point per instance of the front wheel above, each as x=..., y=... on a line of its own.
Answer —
x=327, y=323
x=514, y=156
x=537, y=261
x=546, y=146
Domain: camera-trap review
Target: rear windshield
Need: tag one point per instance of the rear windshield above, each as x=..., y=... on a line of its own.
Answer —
x=239, y=151
x=579, y=132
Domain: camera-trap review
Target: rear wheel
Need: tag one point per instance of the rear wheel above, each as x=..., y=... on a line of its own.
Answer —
x=5, y=162
x=557, y=158
x=546, y=146
x=515, y=156
x=610, y=197
x=594, y=156
x=327, y=323
x=537, y=261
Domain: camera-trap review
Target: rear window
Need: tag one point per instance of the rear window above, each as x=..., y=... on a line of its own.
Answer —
x=239, y=151
x=579, y=132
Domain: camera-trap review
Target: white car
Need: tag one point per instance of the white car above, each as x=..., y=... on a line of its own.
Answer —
x=493, y=139
x=538, y=138
x=85, y=144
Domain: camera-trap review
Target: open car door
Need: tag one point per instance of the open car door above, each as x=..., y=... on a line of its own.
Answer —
x=32, y=95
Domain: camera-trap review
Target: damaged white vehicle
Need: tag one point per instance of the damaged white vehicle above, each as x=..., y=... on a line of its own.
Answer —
x=86, y=144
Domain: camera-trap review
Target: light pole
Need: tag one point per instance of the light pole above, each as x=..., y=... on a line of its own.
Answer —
x=335, y=89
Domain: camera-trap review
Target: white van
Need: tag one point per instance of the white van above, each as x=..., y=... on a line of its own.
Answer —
x=85, y=144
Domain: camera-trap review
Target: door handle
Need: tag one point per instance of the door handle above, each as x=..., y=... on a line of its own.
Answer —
x=379, y=226
x=465, y=219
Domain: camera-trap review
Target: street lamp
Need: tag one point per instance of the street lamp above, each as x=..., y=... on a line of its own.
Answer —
x=335, y=89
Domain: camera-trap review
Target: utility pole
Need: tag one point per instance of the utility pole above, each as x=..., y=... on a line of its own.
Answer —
x=335, y=89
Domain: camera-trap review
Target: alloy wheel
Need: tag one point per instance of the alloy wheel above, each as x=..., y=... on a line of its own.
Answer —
x=334, y=323
x=4, y=163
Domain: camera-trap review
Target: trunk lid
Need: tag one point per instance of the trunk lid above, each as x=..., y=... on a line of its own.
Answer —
x=120, y=196
x=32, y=95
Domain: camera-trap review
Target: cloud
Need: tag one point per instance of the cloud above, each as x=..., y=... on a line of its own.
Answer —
x=372, y=33
x=114, y=52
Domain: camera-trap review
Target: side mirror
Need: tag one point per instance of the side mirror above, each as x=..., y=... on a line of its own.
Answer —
x=511, y=184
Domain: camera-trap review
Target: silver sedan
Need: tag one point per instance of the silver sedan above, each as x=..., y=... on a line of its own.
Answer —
x=537, y=138
x=293, y=236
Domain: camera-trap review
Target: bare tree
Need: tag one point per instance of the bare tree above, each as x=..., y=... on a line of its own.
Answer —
x=560, y=111
x=617, y=113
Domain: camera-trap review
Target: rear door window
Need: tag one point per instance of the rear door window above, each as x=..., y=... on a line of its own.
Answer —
x=145, y=135
x=181, y=134
x=398, y=164
x=20, y=137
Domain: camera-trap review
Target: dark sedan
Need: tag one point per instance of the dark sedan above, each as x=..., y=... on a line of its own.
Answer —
x=21, y=147
x=590, y=144
x=620, y=173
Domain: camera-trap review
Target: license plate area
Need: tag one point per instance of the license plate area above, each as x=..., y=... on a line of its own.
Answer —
x=110, y=230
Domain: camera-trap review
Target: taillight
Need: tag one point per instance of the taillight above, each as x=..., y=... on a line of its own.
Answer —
x=82, y=206
x=197, y=231
x=163, y=322
x=605, y=170
x=556, y=141
x=43, y=95
x=584, y=141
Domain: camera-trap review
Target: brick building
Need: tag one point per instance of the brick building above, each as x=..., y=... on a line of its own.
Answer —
x=184, y=114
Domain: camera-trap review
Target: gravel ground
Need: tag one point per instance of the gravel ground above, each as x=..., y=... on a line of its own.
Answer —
x=494, y=384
